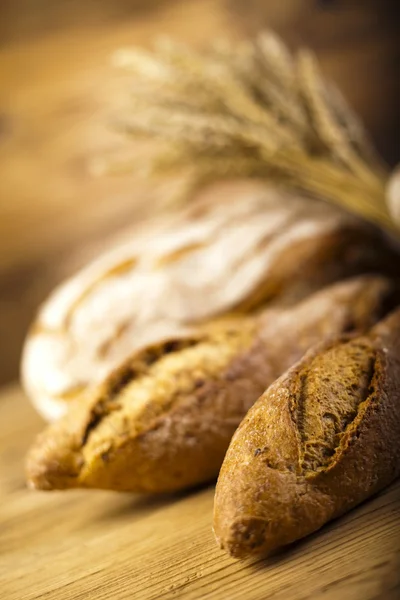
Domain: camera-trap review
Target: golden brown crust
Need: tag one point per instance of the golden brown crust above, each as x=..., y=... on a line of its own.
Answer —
x=141, y=430
x=323, y=438
x=164, y=420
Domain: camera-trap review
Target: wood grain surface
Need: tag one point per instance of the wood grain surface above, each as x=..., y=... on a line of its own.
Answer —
x=84, y=545
x=59, y=94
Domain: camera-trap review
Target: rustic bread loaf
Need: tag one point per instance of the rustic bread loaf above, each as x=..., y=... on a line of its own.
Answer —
x=223, y=254
x=323, y=437
x=163, y=421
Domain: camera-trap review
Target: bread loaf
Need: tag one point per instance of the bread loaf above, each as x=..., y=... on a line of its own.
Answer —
x=163, y=420
x=257, y=246
x=323, y=437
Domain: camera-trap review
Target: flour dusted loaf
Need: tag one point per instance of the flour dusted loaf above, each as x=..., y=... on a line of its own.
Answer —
x=239, y=248
x=323, y=437
x=163, y=420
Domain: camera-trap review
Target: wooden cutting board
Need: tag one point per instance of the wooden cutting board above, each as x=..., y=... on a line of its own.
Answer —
x=102, y=545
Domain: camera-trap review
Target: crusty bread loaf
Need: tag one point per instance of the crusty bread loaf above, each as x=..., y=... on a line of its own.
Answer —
x=323, y=437
x=163, y=421
x=260, y=245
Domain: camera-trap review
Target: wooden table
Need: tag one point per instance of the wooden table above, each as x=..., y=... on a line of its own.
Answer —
x=57, y=91
x=100, y=545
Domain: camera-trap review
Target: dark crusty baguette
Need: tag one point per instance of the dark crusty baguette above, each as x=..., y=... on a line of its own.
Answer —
x=164, y=420
x=324, y=437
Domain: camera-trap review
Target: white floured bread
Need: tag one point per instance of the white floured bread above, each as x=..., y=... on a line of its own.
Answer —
x=221, y=255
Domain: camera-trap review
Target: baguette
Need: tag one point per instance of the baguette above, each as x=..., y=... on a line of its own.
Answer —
x=323, y=437
x=163, y=421
x=261, y=246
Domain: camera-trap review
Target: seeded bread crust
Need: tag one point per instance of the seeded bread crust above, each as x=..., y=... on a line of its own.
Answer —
x=323, y=437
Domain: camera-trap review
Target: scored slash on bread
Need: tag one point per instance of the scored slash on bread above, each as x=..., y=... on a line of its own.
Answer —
x=254, y=246
x=323, y=437
x=163, y=421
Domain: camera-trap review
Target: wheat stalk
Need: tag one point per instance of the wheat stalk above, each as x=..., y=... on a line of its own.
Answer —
x=253, y=109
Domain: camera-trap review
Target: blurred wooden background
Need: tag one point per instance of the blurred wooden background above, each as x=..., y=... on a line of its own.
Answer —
x=58, y=92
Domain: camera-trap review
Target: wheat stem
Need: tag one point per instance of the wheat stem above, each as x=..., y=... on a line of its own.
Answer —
x=253, y=109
